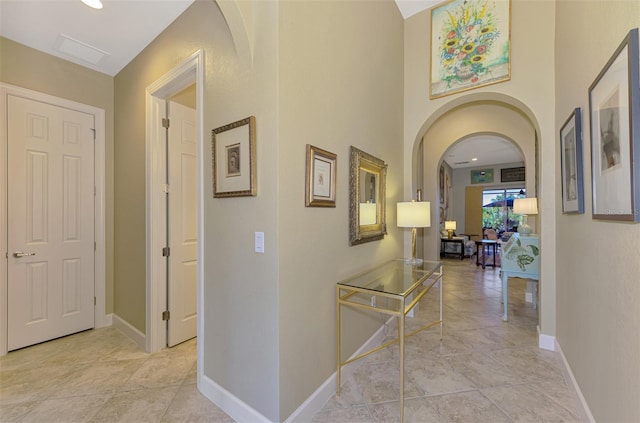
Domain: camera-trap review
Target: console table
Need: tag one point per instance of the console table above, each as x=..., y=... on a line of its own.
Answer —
x=401, y=286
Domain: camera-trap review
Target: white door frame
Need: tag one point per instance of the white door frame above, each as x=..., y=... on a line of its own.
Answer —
x=100, y=318
x=187, y=73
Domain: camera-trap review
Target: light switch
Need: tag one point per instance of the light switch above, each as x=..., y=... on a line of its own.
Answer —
x=259, y=242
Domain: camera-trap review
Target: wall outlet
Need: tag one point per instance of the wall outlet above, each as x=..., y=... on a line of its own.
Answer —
x=373, y=301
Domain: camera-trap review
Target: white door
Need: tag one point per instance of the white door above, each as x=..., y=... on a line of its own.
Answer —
x=50, y=222
x=182, y=233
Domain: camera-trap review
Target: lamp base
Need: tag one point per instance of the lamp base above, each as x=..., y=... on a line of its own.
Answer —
x=414, y=261
x=524, y=228
x=450, y=233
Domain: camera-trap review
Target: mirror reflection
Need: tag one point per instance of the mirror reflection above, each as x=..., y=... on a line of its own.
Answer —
x=367, y=201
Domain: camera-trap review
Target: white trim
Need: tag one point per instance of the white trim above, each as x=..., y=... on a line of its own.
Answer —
x=546, y=342
x=568, y=374
x=189, y=72
x=317, y=400
x=100, y=212
x=130, y=331
x=237, y=409
x=106, y=321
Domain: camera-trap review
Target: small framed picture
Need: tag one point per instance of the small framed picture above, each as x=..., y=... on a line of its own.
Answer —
x=571, y=162
x=482, y=176
x=320, y=181
x=614, y=107
x=234, y=159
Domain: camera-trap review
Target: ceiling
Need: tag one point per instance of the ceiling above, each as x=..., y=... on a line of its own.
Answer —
x=487, y=149
x=106, y=40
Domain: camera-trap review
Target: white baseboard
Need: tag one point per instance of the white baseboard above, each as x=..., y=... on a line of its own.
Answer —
x=546, y=342
x=104, y=321
x=138, y=337
x=568, y=374
x=319, y=398
x=237, y=409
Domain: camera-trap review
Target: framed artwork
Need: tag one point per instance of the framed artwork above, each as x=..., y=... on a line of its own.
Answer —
x=470, y=45
x=482, y=176
x=512, y=174
x=320, y=181
x=441, y=181
x=614, y=108
x=234, y=159
x=571, y=164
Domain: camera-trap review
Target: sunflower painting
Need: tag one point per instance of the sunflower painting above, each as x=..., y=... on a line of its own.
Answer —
x=470, y=45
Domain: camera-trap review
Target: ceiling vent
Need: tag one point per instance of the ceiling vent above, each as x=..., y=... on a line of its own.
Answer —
x=79, y=50
x=461, y=163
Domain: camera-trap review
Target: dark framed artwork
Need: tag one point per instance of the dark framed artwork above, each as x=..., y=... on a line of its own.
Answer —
x=512, y=174
x=571, y=164
x=234, y=159
x=614, y=108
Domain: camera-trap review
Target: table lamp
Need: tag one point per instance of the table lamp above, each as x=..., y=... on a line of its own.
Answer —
x=414, y=215
x=450, y=226
x=525, y=207
x=368, y=213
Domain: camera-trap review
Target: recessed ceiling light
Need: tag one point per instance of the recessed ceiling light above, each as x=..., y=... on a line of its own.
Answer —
x=96, y=4
x=475, y=159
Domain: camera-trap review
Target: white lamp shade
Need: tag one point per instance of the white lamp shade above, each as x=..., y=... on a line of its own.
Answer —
x=525, y=206
x=368, y=213
x=414, y=214
x=450, y=224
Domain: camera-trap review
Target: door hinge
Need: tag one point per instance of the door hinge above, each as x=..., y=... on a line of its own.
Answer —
x=165, y=188
x=166, y=252
x=95, y=246
x=95, y=302
x=165, y=123
x=94, y=133
x=166, y=315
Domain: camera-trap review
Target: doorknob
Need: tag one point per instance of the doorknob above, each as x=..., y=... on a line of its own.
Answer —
x=19, y=254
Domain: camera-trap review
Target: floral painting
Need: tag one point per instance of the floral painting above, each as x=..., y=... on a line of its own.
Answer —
x=470, y=45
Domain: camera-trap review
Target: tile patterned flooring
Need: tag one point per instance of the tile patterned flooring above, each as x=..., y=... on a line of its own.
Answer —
x=484, y=370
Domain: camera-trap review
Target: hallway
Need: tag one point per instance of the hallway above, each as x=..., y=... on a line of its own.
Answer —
x=484, y=370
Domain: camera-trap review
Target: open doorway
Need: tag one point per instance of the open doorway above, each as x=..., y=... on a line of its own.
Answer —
x=159, y=188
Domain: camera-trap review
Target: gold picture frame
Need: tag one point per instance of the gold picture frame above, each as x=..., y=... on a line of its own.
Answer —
x=234, y=159
x=320, y=181
x=470, y=45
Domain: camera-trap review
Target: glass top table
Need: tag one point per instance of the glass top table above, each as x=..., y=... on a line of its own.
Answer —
x=393, y=288
x=393, y=277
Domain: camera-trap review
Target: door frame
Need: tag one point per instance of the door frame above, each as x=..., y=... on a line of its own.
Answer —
x=183, y=75
x=100, y=317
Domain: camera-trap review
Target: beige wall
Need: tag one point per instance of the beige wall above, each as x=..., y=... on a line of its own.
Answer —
x=598, y=261
x=341, y=66
x=28, y=68
x=240, y=286
x=531, y=91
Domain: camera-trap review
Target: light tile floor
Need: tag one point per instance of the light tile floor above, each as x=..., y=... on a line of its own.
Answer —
x=484, y=370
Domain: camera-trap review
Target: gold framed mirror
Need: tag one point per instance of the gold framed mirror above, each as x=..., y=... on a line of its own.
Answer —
x=367, y=197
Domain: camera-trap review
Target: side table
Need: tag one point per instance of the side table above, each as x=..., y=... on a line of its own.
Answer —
x=486, y=246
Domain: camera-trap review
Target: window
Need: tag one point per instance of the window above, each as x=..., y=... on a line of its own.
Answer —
x=497, y=208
